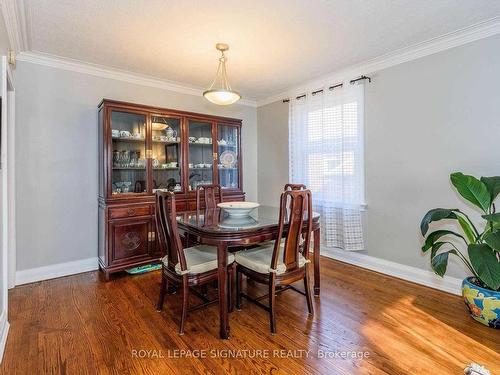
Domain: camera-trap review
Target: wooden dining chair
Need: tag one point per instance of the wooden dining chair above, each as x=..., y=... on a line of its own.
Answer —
x=286, y=261
x=295, y=187
x=185, y=268
x=210, y=195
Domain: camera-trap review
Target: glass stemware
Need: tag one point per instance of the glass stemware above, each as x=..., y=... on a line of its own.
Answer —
x=126, y=186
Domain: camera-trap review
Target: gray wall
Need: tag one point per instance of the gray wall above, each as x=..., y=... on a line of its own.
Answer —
x=424, y=120
x=272, y=120
x=56, y=157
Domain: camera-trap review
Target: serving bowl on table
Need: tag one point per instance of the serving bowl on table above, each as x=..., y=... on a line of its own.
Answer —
x=238, y=209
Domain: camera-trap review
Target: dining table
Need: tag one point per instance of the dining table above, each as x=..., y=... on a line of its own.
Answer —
x=217, y=228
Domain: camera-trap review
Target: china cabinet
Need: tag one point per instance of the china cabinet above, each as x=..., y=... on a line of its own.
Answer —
x=142, y=149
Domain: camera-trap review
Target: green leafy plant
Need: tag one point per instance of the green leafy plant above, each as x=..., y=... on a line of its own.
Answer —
x=483, y=247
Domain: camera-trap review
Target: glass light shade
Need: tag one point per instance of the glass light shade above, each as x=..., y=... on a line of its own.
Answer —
x=156, y=125
x=221, y=96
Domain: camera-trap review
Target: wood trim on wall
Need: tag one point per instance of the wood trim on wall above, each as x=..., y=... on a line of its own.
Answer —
x=102, y=71
x=56, y=270
x=450, y=40
x=416, y=275
x=4, y=332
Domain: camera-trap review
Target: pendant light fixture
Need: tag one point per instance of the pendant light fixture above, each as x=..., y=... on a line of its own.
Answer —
x=158, y=123
x=220, y=91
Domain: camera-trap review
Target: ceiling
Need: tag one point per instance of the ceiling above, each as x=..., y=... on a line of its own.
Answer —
x=274, y=44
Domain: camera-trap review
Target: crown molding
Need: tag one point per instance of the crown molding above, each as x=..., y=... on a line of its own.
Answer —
x=102, y=71
x=413, y=52
x=15, y=23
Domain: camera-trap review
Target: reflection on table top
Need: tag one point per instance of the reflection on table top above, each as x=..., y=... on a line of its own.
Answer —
x=217, y=220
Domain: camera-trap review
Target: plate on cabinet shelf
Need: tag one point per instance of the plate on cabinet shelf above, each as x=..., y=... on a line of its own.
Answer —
x=132, y=139
x=228, y=159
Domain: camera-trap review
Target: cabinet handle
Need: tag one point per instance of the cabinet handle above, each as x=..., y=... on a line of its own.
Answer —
x=131, y=212
x=215, y=156
x=151, y=236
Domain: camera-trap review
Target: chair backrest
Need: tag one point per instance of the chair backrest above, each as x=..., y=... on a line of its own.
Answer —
x=210, y=195
x=295, y=187
x=296, y=211
x=166, y=227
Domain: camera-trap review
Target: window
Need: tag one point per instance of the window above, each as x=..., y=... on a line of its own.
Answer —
x=326, y=154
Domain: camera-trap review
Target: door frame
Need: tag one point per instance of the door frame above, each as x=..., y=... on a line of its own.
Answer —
x=8, y=196
x=8, y=178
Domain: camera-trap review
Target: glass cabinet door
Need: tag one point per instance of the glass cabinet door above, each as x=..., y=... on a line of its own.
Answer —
x=200, y=155
x=166, y=158
x=228, y=156
x=128, y=131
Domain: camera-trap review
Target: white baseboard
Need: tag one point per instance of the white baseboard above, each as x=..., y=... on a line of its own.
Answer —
x=56, y=270
x=413, y=274
x=4, y=331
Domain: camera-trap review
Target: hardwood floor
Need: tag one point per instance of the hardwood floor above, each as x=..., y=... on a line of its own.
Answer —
x=82, y=325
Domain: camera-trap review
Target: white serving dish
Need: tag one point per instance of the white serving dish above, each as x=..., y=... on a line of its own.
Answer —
x=238, y=209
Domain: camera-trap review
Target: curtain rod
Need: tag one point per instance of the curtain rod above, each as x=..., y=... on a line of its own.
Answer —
x=361, y=78
x=333, y=87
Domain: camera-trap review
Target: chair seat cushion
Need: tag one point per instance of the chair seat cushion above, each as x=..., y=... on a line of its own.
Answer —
x=200, y=259
x=259, y=259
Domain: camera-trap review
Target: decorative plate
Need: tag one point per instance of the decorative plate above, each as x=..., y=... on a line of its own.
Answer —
x=228, y=159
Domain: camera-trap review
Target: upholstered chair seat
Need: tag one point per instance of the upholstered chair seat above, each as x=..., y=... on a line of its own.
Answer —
x=258, y=259
x=199, y=259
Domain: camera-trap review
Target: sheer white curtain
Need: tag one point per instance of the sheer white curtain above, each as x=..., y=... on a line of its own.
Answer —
x=326, y=154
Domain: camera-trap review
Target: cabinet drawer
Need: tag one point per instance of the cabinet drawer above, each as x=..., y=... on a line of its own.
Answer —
x=117, y=213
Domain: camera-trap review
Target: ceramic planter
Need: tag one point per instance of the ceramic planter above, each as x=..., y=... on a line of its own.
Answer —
x=483, y=304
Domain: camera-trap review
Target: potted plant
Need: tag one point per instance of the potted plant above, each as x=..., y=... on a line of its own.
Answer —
x=481, y=291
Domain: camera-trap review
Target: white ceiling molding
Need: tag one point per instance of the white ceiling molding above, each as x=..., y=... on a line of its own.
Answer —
x=416, y=51
x=15, y=22
x=112, y=73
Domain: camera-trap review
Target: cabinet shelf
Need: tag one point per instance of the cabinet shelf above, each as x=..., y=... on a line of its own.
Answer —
x=129, y=168
x=142, y=140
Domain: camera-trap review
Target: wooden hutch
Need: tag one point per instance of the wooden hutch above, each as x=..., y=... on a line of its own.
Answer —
x=143, y=148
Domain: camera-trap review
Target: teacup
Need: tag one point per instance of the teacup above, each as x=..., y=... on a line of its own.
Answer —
x=223, y=142
x=191, y=165
x=173, y=164
x=115, y=133
x=125, y=133
x=192, y=139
